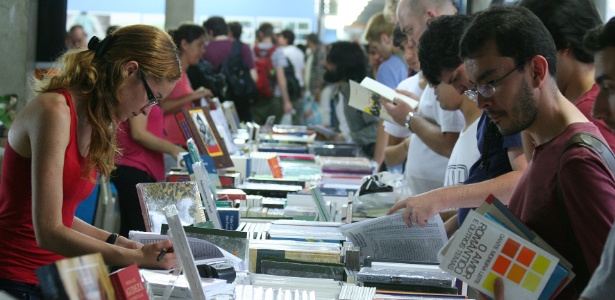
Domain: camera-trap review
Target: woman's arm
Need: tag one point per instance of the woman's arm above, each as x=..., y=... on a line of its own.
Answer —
x=139, y=133
x=48, y=133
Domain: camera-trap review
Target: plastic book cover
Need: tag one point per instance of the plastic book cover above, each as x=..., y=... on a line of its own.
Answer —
x=482, y=250
x=234, y=242
x=153, y=197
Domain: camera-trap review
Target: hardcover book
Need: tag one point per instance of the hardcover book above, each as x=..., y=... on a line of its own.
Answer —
x=153, y=197
x=196, y=123
x=366, y=98
x=230, y=113
x=81, y=277
x=127, y=284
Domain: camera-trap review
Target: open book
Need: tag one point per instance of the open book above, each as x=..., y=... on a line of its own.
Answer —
x=366, y=97
x=389, y=237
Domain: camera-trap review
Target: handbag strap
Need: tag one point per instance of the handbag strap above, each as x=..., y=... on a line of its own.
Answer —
x=596, y=145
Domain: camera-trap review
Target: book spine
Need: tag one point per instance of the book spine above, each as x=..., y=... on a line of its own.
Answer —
x=144, y=210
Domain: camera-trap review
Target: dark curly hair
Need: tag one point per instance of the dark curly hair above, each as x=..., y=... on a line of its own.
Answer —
x=349, y=60
x=439, y=46
x=567, y=21
x=600, y=37
x=517, y=33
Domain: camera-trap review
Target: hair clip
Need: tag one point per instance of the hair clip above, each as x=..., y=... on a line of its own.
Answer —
x=95, y=44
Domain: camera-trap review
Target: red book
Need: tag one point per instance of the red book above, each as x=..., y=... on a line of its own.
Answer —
x=127, y=284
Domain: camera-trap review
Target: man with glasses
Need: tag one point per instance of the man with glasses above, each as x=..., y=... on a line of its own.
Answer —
x=502, y=39
x=501, y=161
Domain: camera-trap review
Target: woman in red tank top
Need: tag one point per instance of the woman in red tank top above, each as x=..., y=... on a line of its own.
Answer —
x=62, y=139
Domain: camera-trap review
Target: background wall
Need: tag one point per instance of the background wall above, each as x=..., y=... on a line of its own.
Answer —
x=299, y=15
x=18, y=47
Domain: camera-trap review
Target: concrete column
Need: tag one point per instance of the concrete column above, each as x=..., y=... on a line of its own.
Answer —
x=178, y=12
x=18, y=48
x=602, y=7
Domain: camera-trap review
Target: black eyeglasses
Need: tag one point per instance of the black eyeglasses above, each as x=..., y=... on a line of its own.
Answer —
x=486, y=90
x=150, y=95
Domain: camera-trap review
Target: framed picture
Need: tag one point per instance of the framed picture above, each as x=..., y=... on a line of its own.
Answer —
x=196, y=123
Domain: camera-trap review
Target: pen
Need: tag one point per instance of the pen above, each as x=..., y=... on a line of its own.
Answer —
x=161, y=255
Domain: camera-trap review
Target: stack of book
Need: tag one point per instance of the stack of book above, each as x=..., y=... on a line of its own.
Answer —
x=316, y=252
x=421, y=278
x=492, y=243
x=306, y=231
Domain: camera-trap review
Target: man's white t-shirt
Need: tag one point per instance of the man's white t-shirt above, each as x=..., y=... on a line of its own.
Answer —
x=297, y=58
x=425, y=168
x=410, y=84
x=464, y=155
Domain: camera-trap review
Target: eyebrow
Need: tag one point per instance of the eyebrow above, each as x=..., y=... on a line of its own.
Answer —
x=482, y=76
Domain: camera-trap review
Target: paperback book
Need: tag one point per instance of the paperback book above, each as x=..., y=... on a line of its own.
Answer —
x=365, y=96
x=483, y=250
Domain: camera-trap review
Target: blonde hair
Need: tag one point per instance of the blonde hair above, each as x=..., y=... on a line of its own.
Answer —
x=101, y=79
x=376, y=26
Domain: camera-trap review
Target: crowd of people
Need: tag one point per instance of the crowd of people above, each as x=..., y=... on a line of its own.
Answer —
x=500, y=94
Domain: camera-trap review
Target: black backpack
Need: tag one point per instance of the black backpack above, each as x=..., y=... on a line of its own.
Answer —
x=240, y=85
x=204, y=75
x=292, y=84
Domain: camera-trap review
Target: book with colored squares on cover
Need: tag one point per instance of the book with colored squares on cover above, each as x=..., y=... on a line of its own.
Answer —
x=486, y=247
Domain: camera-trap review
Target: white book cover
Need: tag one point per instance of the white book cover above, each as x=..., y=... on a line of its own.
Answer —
x=365, y=96
x=482, y=250
x=205, y=188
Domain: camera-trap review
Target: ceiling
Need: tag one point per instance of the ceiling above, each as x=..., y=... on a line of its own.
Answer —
x=372, y=7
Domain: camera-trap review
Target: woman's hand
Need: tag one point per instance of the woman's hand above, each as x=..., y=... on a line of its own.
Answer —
x=126, y=243
x=151, y=252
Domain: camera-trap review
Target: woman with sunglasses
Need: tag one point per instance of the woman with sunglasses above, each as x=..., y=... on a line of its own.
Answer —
x=61, y=139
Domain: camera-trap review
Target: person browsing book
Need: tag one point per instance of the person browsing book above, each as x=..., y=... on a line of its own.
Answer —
x=190, y=41
x=602, y=42
x=500, y=162
x=511, y=61
x=62, y=138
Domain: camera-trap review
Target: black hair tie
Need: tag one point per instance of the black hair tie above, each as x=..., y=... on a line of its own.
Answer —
x=100, y=47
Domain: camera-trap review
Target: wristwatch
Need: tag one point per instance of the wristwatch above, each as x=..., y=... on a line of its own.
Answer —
x=408, y=118
x=112, y=238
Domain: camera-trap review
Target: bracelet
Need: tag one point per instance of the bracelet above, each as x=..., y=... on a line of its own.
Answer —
x=408, y=118
x=112, y=238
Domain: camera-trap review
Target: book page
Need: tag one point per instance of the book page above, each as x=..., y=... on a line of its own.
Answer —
x=201, y=249
x=366, y=98
x=390, y=237
x=387, y=92
x=182, y=251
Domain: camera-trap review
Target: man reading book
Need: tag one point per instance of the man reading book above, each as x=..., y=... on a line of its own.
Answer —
x=501, y=161
x=602, y=42
x=511, y=59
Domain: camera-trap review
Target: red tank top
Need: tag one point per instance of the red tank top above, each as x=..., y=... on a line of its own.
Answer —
x=19, y=254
